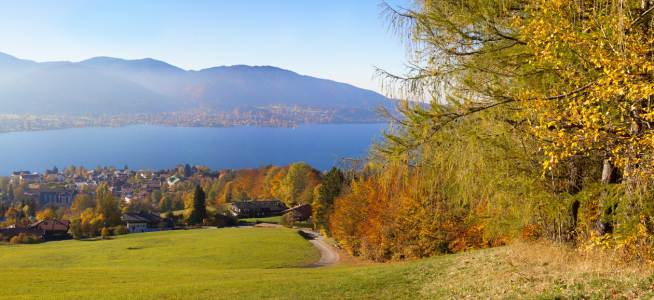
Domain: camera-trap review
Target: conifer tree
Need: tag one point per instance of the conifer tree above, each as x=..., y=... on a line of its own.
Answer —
x=196, y=211
x=200, y=203
x=324, y=199
x=10, y=193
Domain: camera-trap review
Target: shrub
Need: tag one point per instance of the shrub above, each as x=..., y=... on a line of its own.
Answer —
x=25, y=239
x=105, y=232
x=33, y=240
x=120, y=230
x=76, y=229
x=287, y=220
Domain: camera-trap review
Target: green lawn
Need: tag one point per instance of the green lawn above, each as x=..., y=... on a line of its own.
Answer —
x=256, y=263
x=275, y=219
x=228, y=248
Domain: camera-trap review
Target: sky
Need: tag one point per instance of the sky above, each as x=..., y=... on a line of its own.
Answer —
x=338, y=40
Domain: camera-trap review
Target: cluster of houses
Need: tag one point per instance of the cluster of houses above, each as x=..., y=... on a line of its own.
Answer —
x=136, y=223
x=117, y=182
x=40, y=229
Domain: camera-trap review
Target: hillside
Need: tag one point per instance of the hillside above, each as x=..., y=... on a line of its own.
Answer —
x=70, y=88
x=249, y=263
x=112, y=85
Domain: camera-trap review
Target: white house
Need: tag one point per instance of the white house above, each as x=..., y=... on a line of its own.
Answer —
x=145, y=222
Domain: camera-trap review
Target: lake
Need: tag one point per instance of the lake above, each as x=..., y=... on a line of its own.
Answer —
x=165, y=147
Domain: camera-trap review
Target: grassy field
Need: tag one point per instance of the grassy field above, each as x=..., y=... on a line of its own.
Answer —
x=275, y=219
x=253, y=263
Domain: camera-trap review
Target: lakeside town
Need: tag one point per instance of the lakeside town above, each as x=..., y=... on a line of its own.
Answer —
x=268, y=116
x=77, y=202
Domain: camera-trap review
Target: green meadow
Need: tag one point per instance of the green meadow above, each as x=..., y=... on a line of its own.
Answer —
x=230, y=263
x=261, y=263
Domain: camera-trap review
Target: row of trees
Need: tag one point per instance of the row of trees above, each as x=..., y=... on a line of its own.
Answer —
x=292, y=184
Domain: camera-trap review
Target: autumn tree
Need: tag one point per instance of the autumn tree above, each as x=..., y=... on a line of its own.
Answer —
x=156, y=196
x=48, y=214
x=82, y=202
x=299, y=183
x=76, y=229
x=166, y=203
x=107, y=206
x=70, y=170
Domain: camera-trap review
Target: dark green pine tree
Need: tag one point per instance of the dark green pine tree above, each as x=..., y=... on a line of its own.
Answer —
x=187, y=170
x=199, y=205
x=324, y=201
x=31, y=211
x=10, y=193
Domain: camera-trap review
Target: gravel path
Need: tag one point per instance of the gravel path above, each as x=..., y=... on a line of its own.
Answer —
x=329, y=256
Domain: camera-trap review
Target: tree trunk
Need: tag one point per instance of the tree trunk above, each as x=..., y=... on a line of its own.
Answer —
x=609, y=175
x=574, y=187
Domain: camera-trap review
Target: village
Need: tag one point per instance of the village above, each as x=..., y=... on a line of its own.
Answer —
x=38, y=207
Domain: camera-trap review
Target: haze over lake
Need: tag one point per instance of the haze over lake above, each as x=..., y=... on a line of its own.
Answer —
x=165, y=147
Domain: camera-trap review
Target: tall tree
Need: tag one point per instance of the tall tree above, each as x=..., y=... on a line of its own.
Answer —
x=187, y=170
x=10, y=193
x=108, y=206
x=199, y=198
x=196, y=210
x=323, y=201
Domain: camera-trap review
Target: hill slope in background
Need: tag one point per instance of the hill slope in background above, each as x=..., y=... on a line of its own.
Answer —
x=112, y=85
x=75, y=89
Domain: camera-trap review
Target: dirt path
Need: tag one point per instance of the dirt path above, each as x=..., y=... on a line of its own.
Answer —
x=329, y=256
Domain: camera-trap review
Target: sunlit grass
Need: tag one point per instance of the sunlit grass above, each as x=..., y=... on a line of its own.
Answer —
x=255, y=263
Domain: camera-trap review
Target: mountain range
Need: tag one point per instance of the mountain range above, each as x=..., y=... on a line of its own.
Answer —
x=111, y=85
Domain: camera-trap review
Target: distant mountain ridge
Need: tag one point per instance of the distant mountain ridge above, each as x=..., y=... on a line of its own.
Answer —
x=113, y=85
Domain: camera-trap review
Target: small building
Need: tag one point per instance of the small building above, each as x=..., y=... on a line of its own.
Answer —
x=12, y=232
x=172, y=180
x=51, y=226
x=21, y=172
x=300, y=212
x=249, y=208
x=55, y=195
x=151, y=187
x=145, y=222
x=30, y=177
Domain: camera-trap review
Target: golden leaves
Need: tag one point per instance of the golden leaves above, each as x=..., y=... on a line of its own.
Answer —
x=582, y=47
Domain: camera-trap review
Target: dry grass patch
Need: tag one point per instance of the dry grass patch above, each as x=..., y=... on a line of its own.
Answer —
x=535, y=270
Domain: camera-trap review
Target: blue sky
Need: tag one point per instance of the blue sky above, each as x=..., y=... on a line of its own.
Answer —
x=337, y=40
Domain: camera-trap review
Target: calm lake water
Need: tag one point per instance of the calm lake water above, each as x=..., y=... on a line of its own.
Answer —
x=165, y=147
